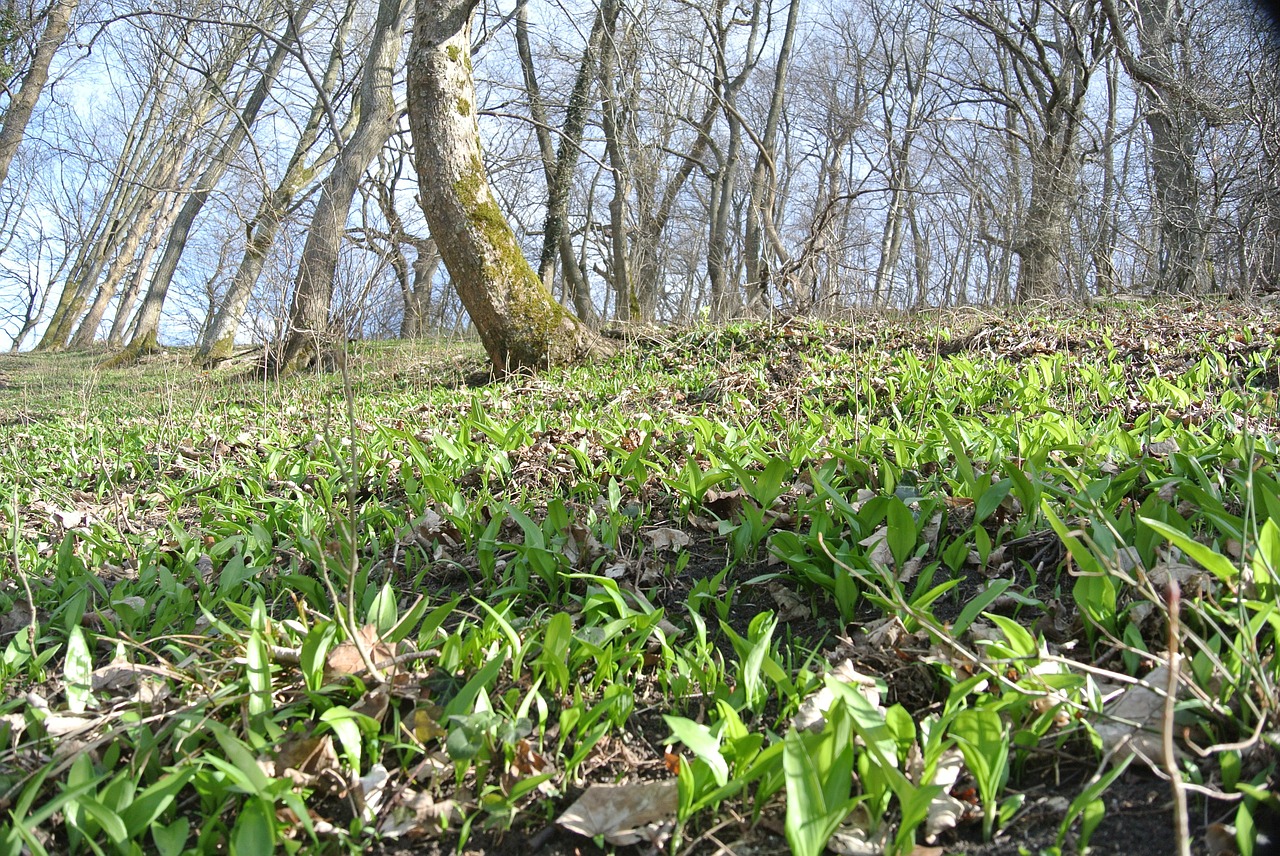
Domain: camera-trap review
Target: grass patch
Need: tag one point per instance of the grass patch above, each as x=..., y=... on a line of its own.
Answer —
x=900, y=582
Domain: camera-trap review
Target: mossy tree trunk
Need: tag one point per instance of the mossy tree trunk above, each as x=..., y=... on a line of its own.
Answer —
x=519, y=322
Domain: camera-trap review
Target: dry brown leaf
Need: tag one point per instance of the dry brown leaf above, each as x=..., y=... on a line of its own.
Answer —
x=878, y=544
x=345, y=658
x=726, y=505
x=17, y=618
x=304, y=759
x=667, y=539
x=426, y=724
x=1220, y=840
x=791, y=606
x=624, y=814
x=1192, y=580
x=1133, y=723
x=418, y=813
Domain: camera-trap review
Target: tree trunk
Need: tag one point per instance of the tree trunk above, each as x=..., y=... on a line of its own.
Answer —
x=521, y=326
x=14, y=126
x=219, y=337
x=147, y=325
x=764, y=177
x=560, y=165
x=310, y=333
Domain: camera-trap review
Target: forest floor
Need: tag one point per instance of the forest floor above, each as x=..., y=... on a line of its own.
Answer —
x=882, y=585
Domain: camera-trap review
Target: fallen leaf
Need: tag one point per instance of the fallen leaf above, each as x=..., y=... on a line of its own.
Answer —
x=1192, y=580
x=370, y=792
x=667, y=539
x=811, y=715
x=726, y=505
x=879, y=552
x=624, y=814
x=1220, y=840
x=345, y=657
x=426, y=724
x=859, y=835
x=790, y=605
x=304, y=759
x=1133, y=721
x=418, y=813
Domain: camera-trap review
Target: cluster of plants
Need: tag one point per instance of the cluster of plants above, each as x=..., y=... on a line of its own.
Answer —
x=854, y=587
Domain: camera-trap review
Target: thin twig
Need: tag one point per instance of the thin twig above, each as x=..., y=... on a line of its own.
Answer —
x=1173, y=598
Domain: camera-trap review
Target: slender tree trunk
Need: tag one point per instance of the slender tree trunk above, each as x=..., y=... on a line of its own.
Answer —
x=147, y=325
x=14, y=125
x=560, y=166
x=220, y=333
x=900, y=163
x=764, y=177
x=627, y=307
x=121, y=323
x=163, y=175
x=521, y=325
x=310, y=333
x=145, y=140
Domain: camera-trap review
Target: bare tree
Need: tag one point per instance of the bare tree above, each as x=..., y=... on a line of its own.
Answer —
x=220, y=333
x=1050, y=53
x=310, y=333
x=560, y=163
x=147, y=326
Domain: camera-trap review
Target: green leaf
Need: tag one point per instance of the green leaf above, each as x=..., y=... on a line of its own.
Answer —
x=975, y=607
x=818, y=769
x=702, y=743
x=461, y=704
x=382, y=612
x=259, y=672
x=1215, y=563
x=344, y=724
x=77, y=671
x=148, y=806
x=1084, y=802
x=991, y=499
x=902, y=533
x=239, y=758
x=254, y=833
x=171, y=840
x=107, y=819
x=1021, y=642
x=315, y=650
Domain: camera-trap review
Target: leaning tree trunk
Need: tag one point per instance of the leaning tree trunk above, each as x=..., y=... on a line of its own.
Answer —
x=14, y=126
x=310, y=331
x=219, y=338
x=146, y=333
x=521, y=326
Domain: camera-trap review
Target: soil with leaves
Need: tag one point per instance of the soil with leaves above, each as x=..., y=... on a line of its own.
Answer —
x=966, y=583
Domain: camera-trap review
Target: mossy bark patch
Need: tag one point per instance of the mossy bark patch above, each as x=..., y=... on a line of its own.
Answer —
x=520, y=323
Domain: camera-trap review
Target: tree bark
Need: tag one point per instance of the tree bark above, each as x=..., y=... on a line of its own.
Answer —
x=310, y=332
x=764, y=177
x=520, y=324
x=147, y=324
x=14, y=126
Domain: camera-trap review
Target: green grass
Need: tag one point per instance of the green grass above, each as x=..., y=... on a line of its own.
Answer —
x=332, y=610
